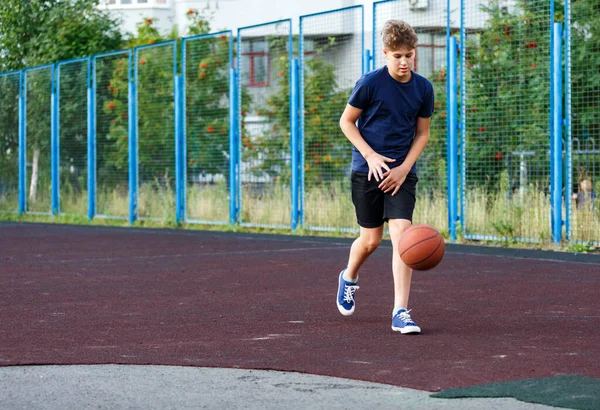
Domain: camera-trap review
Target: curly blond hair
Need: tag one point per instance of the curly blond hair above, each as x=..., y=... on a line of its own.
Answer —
x=397, y=33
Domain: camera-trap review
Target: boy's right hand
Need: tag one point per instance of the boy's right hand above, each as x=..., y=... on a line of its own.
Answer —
x=376, y=163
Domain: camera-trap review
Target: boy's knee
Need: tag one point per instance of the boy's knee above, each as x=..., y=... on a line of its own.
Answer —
x=371, y=244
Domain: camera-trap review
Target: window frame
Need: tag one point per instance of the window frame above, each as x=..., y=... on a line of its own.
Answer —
x=251, y=72
x=430, y=45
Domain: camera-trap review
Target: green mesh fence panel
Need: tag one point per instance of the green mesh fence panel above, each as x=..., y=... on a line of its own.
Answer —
x=38, y=139
x=9, y=142
x=330, y=64
x=111, y=92
x=73, y=135
x=264, y=75
x=156, y=131
x=584, y=87
x=429, y=21
x=207, y=76
x=506, y=168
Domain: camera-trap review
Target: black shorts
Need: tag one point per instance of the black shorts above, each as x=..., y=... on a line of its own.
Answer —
x=374, y=207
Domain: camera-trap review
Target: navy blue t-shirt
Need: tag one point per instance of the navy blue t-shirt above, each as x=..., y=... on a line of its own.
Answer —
x=390, y=111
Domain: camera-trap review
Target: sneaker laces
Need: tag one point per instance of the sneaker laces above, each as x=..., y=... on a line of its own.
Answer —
x=349, y=291
x=404, y=316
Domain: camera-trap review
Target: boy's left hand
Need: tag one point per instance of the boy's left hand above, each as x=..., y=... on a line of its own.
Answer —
x=393, y=180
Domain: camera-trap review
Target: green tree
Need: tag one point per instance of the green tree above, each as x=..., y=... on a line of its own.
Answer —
x=508, y=94
x=207, y=103
x=207, y=76
x=155, y=106
x=9, y=141
x=585, y=86
x=432, y=163
x=327, y=151
x=38, y=32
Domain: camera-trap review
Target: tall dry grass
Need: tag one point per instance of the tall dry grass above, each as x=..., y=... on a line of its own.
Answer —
x=506, y=218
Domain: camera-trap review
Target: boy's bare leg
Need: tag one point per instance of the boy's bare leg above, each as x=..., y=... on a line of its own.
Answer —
x=402, y=273
x=362, y=247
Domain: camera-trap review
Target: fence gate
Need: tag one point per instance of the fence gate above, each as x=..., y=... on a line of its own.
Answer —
x=264, y=74
x=505, y=121
x=10, y=84
x=331, y=61
x=155, y=77
x=206, y=70
x=112, y=121
x=583, y=124
x=38, y=90
x=72, y=91
x=430, y=62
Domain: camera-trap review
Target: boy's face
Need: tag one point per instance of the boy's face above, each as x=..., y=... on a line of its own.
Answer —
x=400, y=62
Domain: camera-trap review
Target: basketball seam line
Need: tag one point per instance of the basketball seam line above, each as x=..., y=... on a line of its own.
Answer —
x=429, y=256
x=416, y=243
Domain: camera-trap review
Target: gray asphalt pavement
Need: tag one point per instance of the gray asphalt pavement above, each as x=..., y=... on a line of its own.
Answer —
x=172, y=387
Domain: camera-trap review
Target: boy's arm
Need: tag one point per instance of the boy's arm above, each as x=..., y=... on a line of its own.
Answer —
x=348, y=125
x=395, y=178
x=419, y=143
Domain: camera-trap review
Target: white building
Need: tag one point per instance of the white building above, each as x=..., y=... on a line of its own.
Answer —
x=257, y=67
x=227, y=14
x=429, y=17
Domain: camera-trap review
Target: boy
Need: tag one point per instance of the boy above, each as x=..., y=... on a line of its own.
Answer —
x=393, y=106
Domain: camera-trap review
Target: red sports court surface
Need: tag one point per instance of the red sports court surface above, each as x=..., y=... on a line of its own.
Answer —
x=95, y=295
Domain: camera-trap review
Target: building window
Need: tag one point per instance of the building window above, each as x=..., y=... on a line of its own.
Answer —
x=255, y=63
x=309, y=47
x=431, y=53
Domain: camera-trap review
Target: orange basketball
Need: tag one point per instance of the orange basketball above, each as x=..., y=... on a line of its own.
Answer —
x=421, y=247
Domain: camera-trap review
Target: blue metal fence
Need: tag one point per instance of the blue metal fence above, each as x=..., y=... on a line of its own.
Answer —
x=112, y=123
x=506, y=109
x=155, y=68
x=38, y=144
x=582, y=124
x=10, y=84
x=431, y=62
x=331, y=60
x=252, y=139
x=72, y=94
x=264, y=101
x=207, y=75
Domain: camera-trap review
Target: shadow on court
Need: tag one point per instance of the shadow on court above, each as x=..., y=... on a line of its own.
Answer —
x=92, y=295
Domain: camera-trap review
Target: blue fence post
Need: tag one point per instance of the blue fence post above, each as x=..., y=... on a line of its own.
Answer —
x=567, y=112
x=462, y=220
x=294, y=141
x=238, y=128
x=179, y=155
x=556, y=162
x=22, y=147
x=233, y=147
x=91, y=123
x=133, y=181
x=183, y=132
x=54, y=140
x=452, y=142
x=374, y=34
x=367, y=61
x=301, y=117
